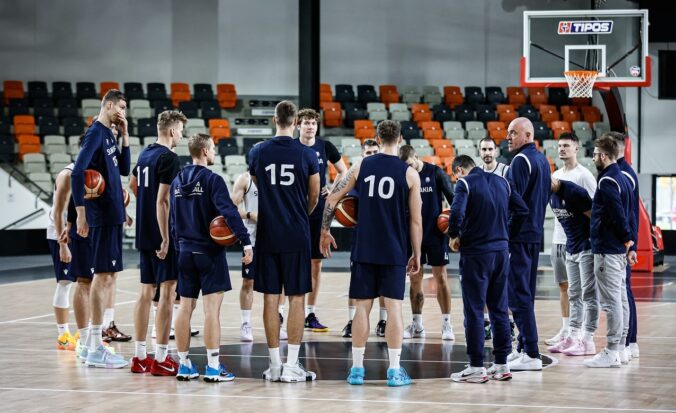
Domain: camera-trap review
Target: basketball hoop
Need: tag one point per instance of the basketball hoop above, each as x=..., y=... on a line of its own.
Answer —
x=580, y=83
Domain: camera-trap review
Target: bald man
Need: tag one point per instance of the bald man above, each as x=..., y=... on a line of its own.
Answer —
x=530, y=176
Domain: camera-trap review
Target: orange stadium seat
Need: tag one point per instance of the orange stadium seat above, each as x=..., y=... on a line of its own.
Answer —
x=453, y=96
x=364, y=129
x=226, y=95
x=537, y=96
x=106, y=86
x=180, y=92
x=24, y=125
x=13, y=89
x=591, y=114
x=570, y=114
x=559, y=127
x=325, y=93
x=333, y=114
x=444, y=151
x=388, y=94
x=432, y=159
x=219, y=129
x=516, y=96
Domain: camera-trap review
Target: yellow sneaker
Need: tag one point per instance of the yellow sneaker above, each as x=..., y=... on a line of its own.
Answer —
x=66, y=342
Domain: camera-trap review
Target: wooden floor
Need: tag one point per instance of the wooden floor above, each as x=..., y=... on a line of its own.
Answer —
x=37, y=377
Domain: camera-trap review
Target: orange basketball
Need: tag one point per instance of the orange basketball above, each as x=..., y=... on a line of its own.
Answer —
x=346, y=211
x=125, y=196
x=221, y=233
x=442, y=220
x=94, y=184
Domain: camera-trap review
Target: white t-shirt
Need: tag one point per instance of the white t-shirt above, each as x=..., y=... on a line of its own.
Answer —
x=251, y=205
x=500, y=169
x=580, y=176
x=51, y=231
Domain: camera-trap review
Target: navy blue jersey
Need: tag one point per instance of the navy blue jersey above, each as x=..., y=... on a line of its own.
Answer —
x=381, y=235
x=634, y=199
x=485, y=213
x=326, y=152
x=282, y=167
x=610, y=227
x=197, y=195
x=530, y=176
x=156, y=165
x=99, y=152
x=569, y=205
x=431, y=192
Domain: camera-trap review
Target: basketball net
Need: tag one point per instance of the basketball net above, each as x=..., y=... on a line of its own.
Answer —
x=581, y=83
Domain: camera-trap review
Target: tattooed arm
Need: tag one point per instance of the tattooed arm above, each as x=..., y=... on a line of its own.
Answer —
x=342, y=187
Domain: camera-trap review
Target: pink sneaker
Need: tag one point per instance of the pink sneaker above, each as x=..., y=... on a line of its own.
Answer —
x=580, y=348
x=563, y=344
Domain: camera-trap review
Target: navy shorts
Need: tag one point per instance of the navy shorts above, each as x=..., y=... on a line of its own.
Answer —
x=435, y=254
x=369, y=281
x=106, y=244
x=61, y=269
x=156, y=271
x=249, y=270
x=290, y=270
x=315, y=233
x=81, y=263
x=201, y=271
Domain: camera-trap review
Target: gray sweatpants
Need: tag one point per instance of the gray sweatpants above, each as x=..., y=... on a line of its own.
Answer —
x=610, y=272
x=582, y=291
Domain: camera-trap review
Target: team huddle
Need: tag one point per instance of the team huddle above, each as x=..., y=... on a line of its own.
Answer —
x=281, y=212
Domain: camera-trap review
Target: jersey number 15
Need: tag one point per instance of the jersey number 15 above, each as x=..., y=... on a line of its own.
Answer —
x=286, y=176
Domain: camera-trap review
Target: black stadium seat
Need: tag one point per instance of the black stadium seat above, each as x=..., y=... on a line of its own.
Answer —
x=156, y=91
x=85, y=90
x=474, y=95
x=367, y=94
x=189, y=108
x=43, y=107
x=73, y=126
x=37, y=89
x=344, y=94
x=210, y=109
x=61, y=90
x=133, y=90
x=49, y=125
x=202, y=92
x=68, y=107
x=146, y=127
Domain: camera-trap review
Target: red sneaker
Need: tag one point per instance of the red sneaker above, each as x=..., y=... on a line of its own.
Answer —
x=166, y=368
x=141, y=366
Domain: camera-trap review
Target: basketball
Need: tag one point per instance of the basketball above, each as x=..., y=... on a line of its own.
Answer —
x=442, y=220
x=125, y=196
x=346, y=211
x=221, y=233
x=94, y=184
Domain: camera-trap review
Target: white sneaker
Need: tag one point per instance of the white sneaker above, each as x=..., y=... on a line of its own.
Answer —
x=525, y=363
x=412, y=331
x=272, y=373
x=622, y=353
x=634, y=350
x=514, y=355
x=447, y=332
x=471, y=375
x=295, y=374
x=604, y=359
x=499, y=372
x=153, y=334
x=246, y=333
x=282, y=334
x=558, y=337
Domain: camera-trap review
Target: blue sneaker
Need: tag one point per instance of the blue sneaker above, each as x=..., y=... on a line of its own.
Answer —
x=356, y=376
x=103, y=358
x=185, y=373
x=398, y=377
x=212, y=375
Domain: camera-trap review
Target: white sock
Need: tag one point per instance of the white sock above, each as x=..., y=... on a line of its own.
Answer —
x=84, y=335
x=565, y=323
x=95, y=336
x=358, y=356
x=350, y=311
x=281, y=309
x=108, y=316
x=395, y=356
x=446, y=319
x=161, y=352
x=587, y=336
x=511, y=318
x=63, y=329
x=183, y=358
x=383, y=313
x=486, y=318
x=292, y=357
x=154, y=317
x=275, y=358
x=212, y=358
x=309, y=309
x=246, y=316
x=174, y=313
x=417, y=319
x=141, y=350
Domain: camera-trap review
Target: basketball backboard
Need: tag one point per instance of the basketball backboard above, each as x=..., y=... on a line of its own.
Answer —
x=612, y=42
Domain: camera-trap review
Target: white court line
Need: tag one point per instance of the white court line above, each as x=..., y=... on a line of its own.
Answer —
x=52, y=314
x=326, y=399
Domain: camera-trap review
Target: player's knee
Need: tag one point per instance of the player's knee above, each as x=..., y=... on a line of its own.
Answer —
x=147, y=292
x=84, y=282
x=61, y=294
x=247, y=285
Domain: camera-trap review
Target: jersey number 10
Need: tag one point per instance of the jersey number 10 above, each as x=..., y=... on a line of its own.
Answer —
x=285, y=172
x=384, y=181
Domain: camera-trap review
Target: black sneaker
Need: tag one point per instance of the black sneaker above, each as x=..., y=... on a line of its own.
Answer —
x=487, y=330
x=312, y=323
x=347, y=331
x=380, y=328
